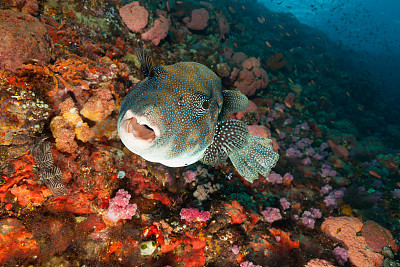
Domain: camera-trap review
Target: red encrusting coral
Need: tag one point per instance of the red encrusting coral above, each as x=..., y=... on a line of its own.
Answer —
x=16, y=242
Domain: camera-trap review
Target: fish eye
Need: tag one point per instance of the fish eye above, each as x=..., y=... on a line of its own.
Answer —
x=180, y=101
x=206, y=104
x=152, y=73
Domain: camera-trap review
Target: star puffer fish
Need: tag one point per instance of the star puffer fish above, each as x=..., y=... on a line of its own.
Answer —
x=178, y=115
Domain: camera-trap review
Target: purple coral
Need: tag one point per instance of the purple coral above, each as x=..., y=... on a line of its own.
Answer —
x=248, y=264
x=274, y=178
x=271, y=214
x=308, y=217
x=190, y=176
x=119, y=207
x=284, y=203
x=288, y=177
x=330, y=202
x=326, y=189
x=341, y=255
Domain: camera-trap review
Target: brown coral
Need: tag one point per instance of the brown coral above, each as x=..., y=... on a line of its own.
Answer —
x=68, y=125
x=99, y=106
x=22, y=38
x=276, y=62
x=345, y=229
x=64, y=134
x=377, y=237
x=26, y=6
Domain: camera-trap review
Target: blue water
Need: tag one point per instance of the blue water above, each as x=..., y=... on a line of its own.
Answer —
x=368, y=29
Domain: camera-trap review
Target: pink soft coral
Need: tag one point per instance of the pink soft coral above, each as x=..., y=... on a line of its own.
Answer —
x=192, y=214
x=119, y=207
x=271, y=214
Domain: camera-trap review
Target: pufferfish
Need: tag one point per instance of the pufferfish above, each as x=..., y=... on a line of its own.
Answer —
x=178, y=115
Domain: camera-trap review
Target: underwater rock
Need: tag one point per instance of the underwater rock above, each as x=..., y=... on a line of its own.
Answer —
x=23, y=114
x=55, y=238
x=23, y=38
x=26, y=6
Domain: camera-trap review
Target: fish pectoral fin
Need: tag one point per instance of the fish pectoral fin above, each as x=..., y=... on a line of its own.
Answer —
x=256, y=157
x=250, y=155
x=229, y=136
x=233, y=101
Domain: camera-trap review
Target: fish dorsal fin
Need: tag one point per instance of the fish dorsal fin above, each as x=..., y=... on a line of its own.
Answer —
x=146, y=64
x=233, y=101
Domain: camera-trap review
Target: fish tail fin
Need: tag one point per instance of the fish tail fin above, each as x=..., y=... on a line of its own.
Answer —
x=146, y=63
x=256, y=157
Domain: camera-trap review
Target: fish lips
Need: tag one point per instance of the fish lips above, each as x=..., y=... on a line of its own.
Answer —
x=137, y=132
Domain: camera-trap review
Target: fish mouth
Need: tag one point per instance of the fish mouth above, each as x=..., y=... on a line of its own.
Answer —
x=138, y=129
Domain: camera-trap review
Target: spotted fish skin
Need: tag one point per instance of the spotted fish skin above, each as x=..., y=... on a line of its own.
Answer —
x=171, y=103
x=178, y=115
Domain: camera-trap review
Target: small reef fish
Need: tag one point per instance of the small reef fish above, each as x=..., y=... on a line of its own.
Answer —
x=261, y=19
x=178, y=115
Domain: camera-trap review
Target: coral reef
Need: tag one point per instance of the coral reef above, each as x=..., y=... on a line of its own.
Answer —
x=99, y=106
x=198, y=20
x=251, y=78
x=72, y=194
x=345, y=229
x=276, y=62
x=119, y=207
x=158, y=32
x=134, y=16
x=23, y=38
x=68, y=125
